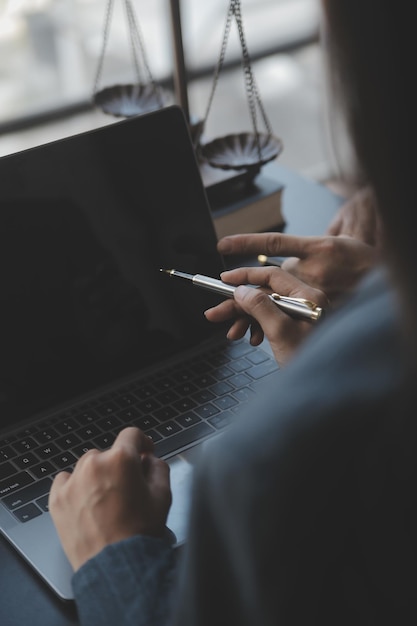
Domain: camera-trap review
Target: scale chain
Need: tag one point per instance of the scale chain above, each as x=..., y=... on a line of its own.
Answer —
x=107, y=20
x=137, y=47
x=250, y=83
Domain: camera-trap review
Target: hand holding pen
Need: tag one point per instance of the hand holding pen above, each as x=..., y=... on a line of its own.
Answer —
x=300, y=308
x=250, y=308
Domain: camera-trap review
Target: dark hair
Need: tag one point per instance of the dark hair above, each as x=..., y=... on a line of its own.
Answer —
x=371, y=51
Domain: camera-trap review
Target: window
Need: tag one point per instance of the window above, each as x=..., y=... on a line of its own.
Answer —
x=49, y=49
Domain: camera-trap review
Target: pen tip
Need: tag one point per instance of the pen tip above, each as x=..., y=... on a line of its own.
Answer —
x=165, y=271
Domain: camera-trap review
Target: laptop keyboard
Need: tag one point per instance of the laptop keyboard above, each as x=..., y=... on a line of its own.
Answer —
x=176, y=409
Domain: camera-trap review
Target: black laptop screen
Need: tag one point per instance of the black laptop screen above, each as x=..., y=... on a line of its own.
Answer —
x=85, y=224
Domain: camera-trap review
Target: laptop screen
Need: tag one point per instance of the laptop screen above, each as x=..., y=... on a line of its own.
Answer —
x=85, y=224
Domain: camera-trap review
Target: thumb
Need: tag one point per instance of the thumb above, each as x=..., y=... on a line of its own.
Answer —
x=157, y=472
x=258, y=305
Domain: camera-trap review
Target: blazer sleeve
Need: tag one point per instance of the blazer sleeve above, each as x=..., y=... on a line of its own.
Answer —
x=128, y=583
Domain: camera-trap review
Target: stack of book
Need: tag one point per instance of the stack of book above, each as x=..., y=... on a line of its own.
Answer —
x=245, y=206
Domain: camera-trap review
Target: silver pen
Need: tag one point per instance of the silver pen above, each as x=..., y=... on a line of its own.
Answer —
x=296, y=307
x=267, y=260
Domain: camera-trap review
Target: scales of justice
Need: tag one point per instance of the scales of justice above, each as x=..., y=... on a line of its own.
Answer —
x=223, y=160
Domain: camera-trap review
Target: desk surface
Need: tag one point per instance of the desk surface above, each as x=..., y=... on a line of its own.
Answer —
x=308, y=208
x=307, y=205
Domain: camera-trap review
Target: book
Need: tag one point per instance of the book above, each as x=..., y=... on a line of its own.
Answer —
x=247, y=206
x=215, y=179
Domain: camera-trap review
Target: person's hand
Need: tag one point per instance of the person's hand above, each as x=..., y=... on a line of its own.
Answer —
x=358, y=218
x=251, y=308
x=332, y=263
x=350, y=249
x=110, y=496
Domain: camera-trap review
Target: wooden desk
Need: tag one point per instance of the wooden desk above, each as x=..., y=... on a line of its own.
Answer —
x=25, y=599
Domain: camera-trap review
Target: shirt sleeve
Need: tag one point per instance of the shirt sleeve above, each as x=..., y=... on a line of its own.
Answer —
x=128, y=583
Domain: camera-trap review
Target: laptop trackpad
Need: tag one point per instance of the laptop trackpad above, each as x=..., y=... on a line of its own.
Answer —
x=181, y=476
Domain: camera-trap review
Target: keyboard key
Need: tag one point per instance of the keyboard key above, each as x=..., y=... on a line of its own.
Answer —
x=183, y=439
x=221, y=388
x=66, y=426
x=26, y=460
x=63, y=460
x=88, y=432
x=166, y=413
x=183, y=376
x=258, y=356
x=261, y=370
x=237, y=350
x=222, y=420
x=222, y=372
x=205, y=380
x=26, y=432
x=185, y=404
x=15, y=482
x=240, y=380
x=244, y=394
x=6, y=470
x=168, y=429
x=207, y=410
x=23, y=445
x=43, y=503
x=152, y=434
x=107, y=408
x=188, y=419
x=68, y=441
x=128, y=415
x=126, y=399
x=240, y=366
x=47, y=451
x=149, y=405
x=6, y=453
x=87, y=417
x=43, y=469
x=109, y=422
x=219, y=359
x=225, y=402
x=185, y=389
x=166, y=397
x=28, y=512
x=104, y=441
x=202, y=396
x=164, y=383
x=7, y=440
x=142, y=392
x=144, y=423
x=31, y=492
x=43, y=436
x=83, y=448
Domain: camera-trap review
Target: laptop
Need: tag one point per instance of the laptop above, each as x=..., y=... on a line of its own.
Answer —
x=94, y=337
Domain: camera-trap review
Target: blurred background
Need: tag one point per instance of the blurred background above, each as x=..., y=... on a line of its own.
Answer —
x=50, y=51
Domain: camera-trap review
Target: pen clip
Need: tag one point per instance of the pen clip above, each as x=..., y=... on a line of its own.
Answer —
x=301, y=301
